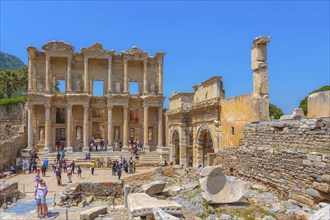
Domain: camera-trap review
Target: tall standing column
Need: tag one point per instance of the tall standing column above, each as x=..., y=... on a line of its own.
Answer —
x=47, y=129
x=85, y=133
x=30, y=126
x=110, y=74
x=68, y=75
x=110, y=128
x=160, y=126
x=47, y=72
x=125, y=126
x=86, y=77
x=69, y=129
x=125, y=75
x=160, y=75
x=30, y=72
x=145, y=82
x=145, y=128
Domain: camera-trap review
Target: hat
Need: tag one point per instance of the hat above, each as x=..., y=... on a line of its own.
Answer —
x=40, y=180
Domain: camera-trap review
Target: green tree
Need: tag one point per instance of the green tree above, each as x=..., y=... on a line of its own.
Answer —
x=303, y=103
x=9, y=82
x=275, y=111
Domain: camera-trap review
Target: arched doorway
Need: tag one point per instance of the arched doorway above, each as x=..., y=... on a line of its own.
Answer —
x=205, y=143
x=176, y=147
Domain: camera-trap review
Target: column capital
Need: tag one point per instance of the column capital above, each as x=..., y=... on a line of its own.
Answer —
x=47, y=56
x=125, y=60
x=69, y=58
x=146, y=106
x=110, y=58
x=110, y=106
x=125, y=106
x=69, y=106
x=47, y=105
x=86, y=106
x=85, y=59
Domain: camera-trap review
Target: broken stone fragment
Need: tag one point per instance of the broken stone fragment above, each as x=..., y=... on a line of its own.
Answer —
x=154, y=187
x=159, y=214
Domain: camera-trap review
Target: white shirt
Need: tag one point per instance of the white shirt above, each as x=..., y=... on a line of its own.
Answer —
x=69, y=170
x=41, y=191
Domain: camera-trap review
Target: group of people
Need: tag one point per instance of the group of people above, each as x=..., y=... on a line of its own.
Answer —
x=128, y=166
x=95, y=147
x=40, y=193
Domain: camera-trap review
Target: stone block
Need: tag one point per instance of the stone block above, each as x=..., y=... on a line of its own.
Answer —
x=325, y=178
x=302, y=199
x=159, y=214
x=323, y=187
x=154, y=187
x=307, y=162
x=92, y=213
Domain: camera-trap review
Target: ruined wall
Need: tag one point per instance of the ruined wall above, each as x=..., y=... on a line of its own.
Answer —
x=303, y=177
x=234, y=113
x=8, y=192
x=319, y=104
x=303, y=135
x=12, y=134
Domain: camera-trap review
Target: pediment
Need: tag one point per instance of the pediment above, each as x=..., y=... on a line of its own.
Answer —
x=57, y=45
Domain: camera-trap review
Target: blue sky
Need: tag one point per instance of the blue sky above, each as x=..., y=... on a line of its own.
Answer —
x=201, y=39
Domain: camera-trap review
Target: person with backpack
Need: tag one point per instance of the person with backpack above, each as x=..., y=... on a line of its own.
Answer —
x=79, y=172
x=58, y=177
x=43, y=170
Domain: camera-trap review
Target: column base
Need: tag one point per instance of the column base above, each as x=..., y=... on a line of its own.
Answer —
x=109, y=149
x=85, y=150
x=146, y=148
x=69, y=150
x=46, y=151
x=125, y=149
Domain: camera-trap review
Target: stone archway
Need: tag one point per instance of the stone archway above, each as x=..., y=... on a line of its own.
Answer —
x=205, y=144
x=175, y=145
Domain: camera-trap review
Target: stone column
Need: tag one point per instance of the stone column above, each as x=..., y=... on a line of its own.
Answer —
x=125, y=126
x=125, y=75
x=86, y=77
x=160, y=127
x=110, y=128
x=30, y=72
x=47, y=73
x=145, y=129
x=85, y=133
x=30, y=126
x=110, y=74
x=145, y=82
x=68, y=75
x=69, y=129
x=160, y=75
x=47, y=129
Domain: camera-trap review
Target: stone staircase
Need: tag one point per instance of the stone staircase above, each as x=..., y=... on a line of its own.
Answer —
x=145, y=159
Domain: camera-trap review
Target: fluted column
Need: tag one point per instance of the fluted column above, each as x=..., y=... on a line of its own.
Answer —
x=85, y=133
x=125, y=126
x=145, y=82
x=110, y=74
x=145, y=128
x=47, y=129
x=160, y=126
x=68, y=75
x=160, y=75
x=110, y=128
x=47, y=73
x=69, y=129
x=30, y=126
x=30, y=72
x=125, y=75
x=86, y=77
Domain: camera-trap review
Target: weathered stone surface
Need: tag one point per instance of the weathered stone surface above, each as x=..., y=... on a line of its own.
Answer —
x=159, y=214
x=323, y=187
x=322, y=214
x=92, y=213
x=219, y=189
x=325, y=178
x=173, y=190
x=141, y=204
x=302, y=199
x=154, y=187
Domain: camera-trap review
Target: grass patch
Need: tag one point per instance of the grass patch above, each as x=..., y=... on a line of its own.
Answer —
x=318, y=150
x=8, y=102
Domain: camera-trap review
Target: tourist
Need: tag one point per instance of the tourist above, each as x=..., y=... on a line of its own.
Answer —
x=63, y=154
x=12, y=169
x=92, y=167
x=91, y=147
x=37, y=178
x=69, y=173
x=30, y=166
x=43, y=170
x=58, y=176
x=95, y=147
x=38, y=199
x=119, y=172
x=80, y=147
x=72, y=165
x=64, y=165
x=101, y=147
x=79, y=172
x=24, y=166
x=46, y=162
x=114, y=168
x=165, y=163
x=58, y=156
x=125, y=166
x=134, y=166
x=131, y=165
x=54, y=166
x=40, y=193
x=34, y=166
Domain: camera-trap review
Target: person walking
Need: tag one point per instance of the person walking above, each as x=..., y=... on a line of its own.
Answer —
x=46, y=162
x=24, y=166
x=73, y=164
x=119, y=172
x=58, y=157
x=34, y=166
x=43, y=170
x=92, y=166
x=58, y=176
x=54, y=166
x=69, y=173
x=79, y=172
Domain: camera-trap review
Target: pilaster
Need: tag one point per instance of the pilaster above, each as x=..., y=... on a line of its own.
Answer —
x=145, y=128
x=110, y=74
x=69, y=129
x=125, y=126
x=110, y=128
x=86, y=77
x=145, y=82
x=85, y=133
x=125, y=75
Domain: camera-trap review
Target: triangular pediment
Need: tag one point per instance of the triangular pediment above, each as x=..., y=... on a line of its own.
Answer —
x=57, y=45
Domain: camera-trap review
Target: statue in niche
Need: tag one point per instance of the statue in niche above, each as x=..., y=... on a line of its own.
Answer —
x=117, y=86
x=78, y=85
x=152, y=87
x=42, y=134
x=40, y=85
x=78, y=133
x=116, y=134
x=150, y=134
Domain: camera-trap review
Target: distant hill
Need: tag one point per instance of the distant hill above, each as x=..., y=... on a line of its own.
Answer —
x=8, y=61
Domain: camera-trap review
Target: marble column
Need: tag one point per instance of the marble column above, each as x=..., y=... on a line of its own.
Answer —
x=30, y=126
x=47, y=129
x=47, y=73
x=160, y=75
x=125, y=75
x=145, y=82
x=69, y=148
x=110, y=128
x=85, y=133
x=125, y=126
x=86, y=77
x=160, y=127
x=145, y=129
x=110, y=74
x=68, y=75
x=30, y=72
